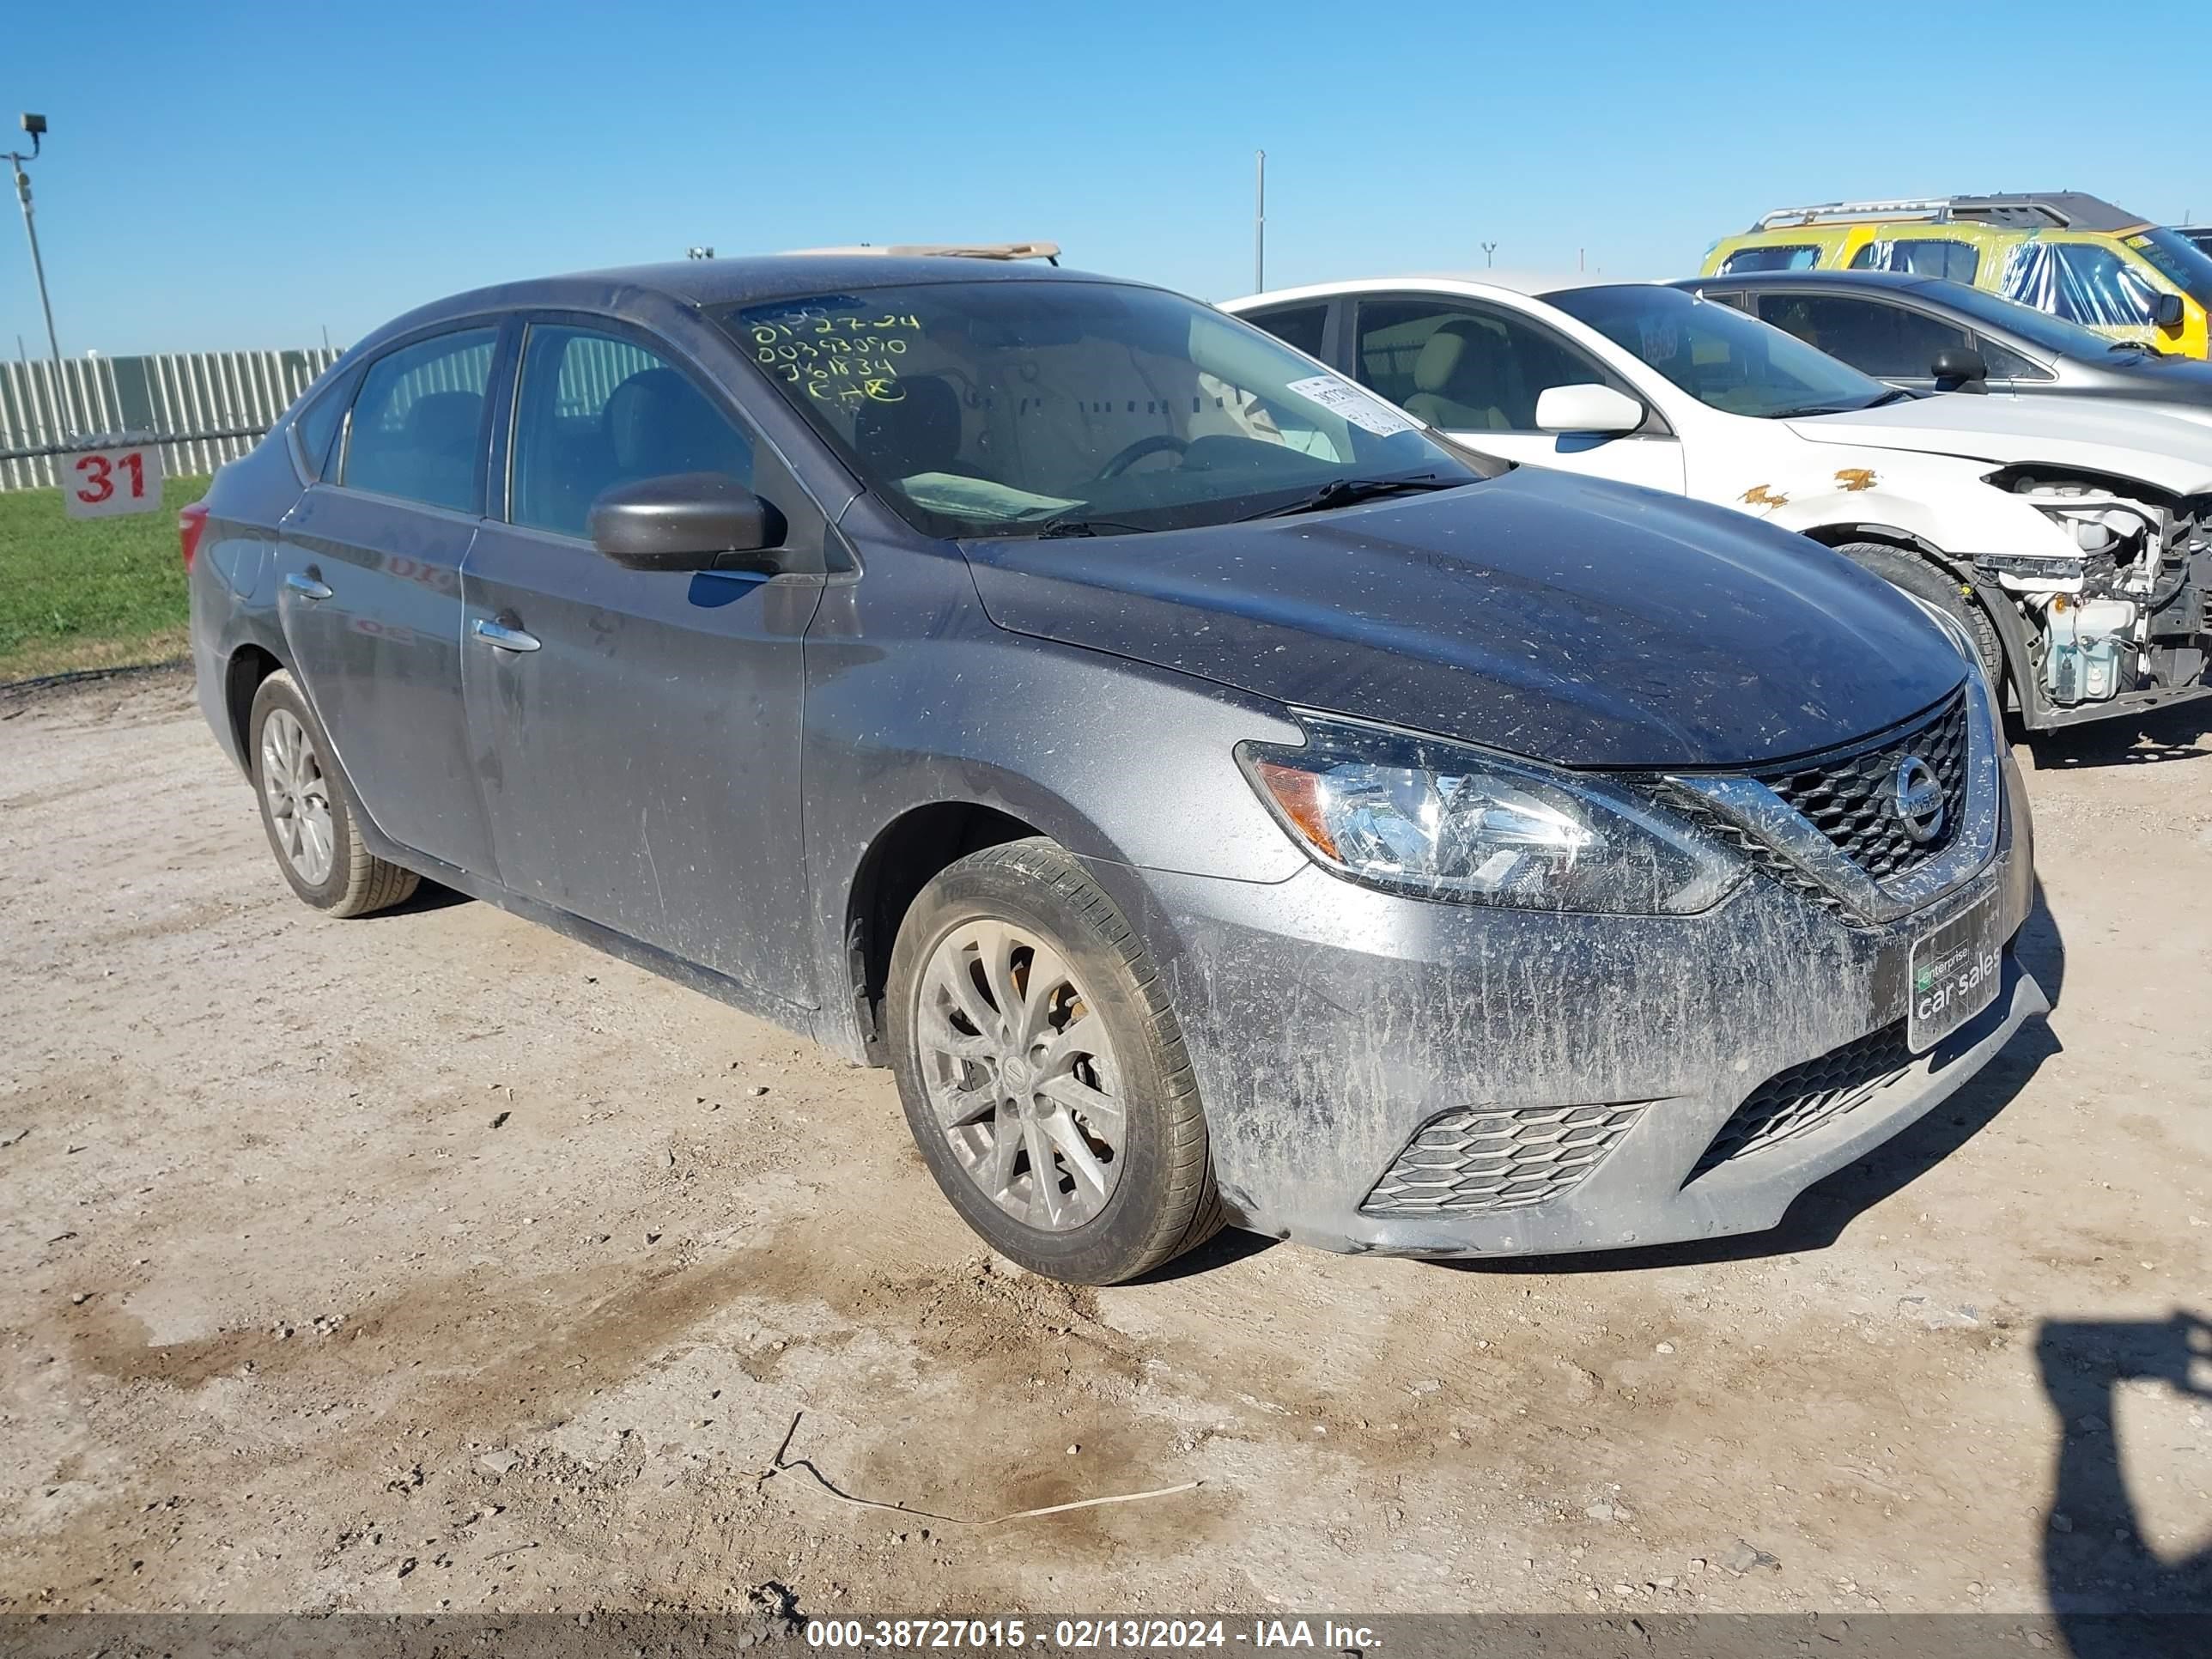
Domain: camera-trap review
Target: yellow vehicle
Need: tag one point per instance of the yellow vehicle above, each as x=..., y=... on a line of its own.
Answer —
x=2071, y=255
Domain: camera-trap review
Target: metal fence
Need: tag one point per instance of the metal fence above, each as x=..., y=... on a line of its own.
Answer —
x=209, y=406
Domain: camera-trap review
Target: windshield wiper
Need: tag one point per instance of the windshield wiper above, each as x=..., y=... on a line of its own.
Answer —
x=1894, y=395
x=1069, y=523
x=1343, y=492
x=1808, y=411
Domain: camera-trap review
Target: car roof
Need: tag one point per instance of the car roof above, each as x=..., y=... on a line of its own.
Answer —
x=1533, y=283
x=2065, y=210
x=706, y=284
x=1889, y=279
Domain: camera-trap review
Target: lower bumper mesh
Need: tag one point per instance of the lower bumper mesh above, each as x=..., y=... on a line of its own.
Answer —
x=1805, y=1097
x=1480, y=1158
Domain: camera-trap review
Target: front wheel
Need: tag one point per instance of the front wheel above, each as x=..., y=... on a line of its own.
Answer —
x=1042, y=1073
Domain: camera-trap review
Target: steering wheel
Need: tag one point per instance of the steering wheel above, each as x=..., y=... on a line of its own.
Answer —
x=1158, y=443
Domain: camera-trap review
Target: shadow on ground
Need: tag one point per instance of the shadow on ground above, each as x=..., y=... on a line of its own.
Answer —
x=427, y=896
x=2110, y=1592
x=2162, y=735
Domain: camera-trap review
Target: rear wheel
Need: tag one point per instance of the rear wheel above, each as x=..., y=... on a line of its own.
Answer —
x=1917, y=577
x=307, y=814
x=1042, y=1072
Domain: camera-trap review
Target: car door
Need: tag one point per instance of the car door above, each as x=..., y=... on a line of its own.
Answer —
x=638, y=732
x=1475, y=372
x=369, y=591
x=1893, y=343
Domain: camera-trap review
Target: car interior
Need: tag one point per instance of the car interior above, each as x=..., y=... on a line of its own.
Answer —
x=1057, y=418
x=572, y=448
x=1459, y=377
x=1462, y=372
x=429, y=457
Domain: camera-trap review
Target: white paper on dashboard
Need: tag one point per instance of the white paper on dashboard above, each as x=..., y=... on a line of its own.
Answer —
x=1362, y=409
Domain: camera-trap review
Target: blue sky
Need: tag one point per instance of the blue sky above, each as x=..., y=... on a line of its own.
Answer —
x=235, y=175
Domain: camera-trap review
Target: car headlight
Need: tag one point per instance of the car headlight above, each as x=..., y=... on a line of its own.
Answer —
x=1438, y=820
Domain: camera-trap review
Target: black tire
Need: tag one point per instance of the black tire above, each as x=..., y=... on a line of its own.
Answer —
x=1924, y=580
x=357, y=881
x=1163, y=1200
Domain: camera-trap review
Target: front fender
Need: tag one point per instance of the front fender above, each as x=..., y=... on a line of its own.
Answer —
x=1833, y=510
x=1938, y=501
x=1125, y=765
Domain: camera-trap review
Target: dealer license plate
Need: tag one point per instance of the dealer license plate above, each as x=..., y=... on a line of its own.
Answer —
x=1955, y=971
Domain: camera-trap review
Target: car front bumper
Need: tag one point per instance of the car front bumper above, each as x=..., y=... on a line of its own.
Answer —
x=1330, y=1026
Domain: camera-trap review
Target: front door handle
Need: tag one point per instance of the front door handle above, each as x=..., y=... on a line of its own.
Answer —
x=306, y=587
x=503, y=637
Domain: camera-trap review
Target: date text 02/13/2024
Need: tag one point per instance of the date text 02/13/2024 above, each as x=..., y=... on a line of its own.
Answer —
x=1077, y=1635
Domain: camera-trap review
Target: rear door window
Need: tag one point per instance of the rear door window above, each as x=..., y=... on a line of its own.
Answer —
x=1920, y=256
x=595, y=410
x=417, y=432
x=1889, y=341
x=1463, y=367
x=1795, y=256
x=1302, y=327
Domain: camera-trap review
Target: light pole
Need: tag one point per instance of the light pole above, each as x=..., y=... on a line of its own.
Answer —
x=1259, y=222
x=64, y=401
x=1489, y=255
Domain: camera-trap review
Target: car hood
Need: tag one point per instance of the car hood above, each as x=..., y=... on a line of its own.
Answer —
x=2109, y=436
x=1585, y=623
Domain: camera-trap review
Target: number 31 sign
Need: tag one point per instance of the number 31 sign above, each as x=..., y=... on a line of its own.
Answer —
x=101, y=484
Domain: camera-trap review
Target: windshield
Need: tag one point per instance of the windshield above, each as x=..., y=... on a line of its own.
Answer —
x=1724, y=359
x=2180, y=261
x=2038, y=328
x=1014, y=407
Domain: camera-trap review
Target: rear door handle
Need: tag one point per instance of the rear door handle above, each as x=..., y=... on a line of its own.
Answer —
x=306, y=586
x=503, y=637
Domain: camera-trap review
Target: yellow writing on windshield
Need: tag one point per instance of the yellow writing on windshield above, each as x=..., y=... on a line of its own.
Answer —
x=837, y=359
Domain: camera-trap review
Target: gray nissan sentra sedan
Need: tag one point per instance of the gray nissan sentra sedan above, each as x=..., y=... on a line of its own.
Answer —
x=1215, y=799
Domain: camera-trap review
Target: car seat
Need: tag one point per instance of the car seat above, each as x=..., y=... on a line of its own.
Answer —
x=1456, y=380
x=436, y=459
x=657, y=423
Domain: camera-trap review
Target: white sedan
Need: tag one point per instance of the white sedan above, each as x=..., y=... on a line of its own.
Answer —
x=2075, y=543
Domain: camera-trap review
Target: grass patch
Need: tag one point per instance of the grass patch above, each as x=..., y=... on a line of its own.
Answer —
x=89, y=593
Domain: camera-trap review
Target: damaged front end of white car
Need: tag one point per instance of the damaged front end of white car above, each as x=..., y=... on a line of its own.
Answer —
x=2113, y=609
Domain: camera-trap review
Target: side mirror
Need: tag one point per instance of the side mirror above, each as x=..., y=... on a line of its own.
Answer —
x=2166, y=311
x=1587, y=411
x=1958, y=367
x=686, y=521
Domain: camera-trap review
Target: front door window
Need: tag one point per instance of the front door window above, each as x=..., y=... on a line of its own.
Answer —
x=596, y=412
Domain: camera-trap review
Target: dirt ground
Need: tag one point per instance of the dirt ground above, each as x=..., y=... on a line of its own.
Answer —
x=433, y=1261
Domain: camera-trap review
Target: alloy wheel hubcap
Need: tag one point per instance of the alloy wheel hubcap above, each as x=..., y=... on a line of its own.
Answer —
x=298, y=796
x=1021, y=1075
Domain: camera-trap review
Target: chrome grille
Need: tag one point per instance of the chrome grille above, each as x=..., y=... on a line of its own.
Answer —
x=1482, y=1158
x=1766, y=860
x=1851, y=797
